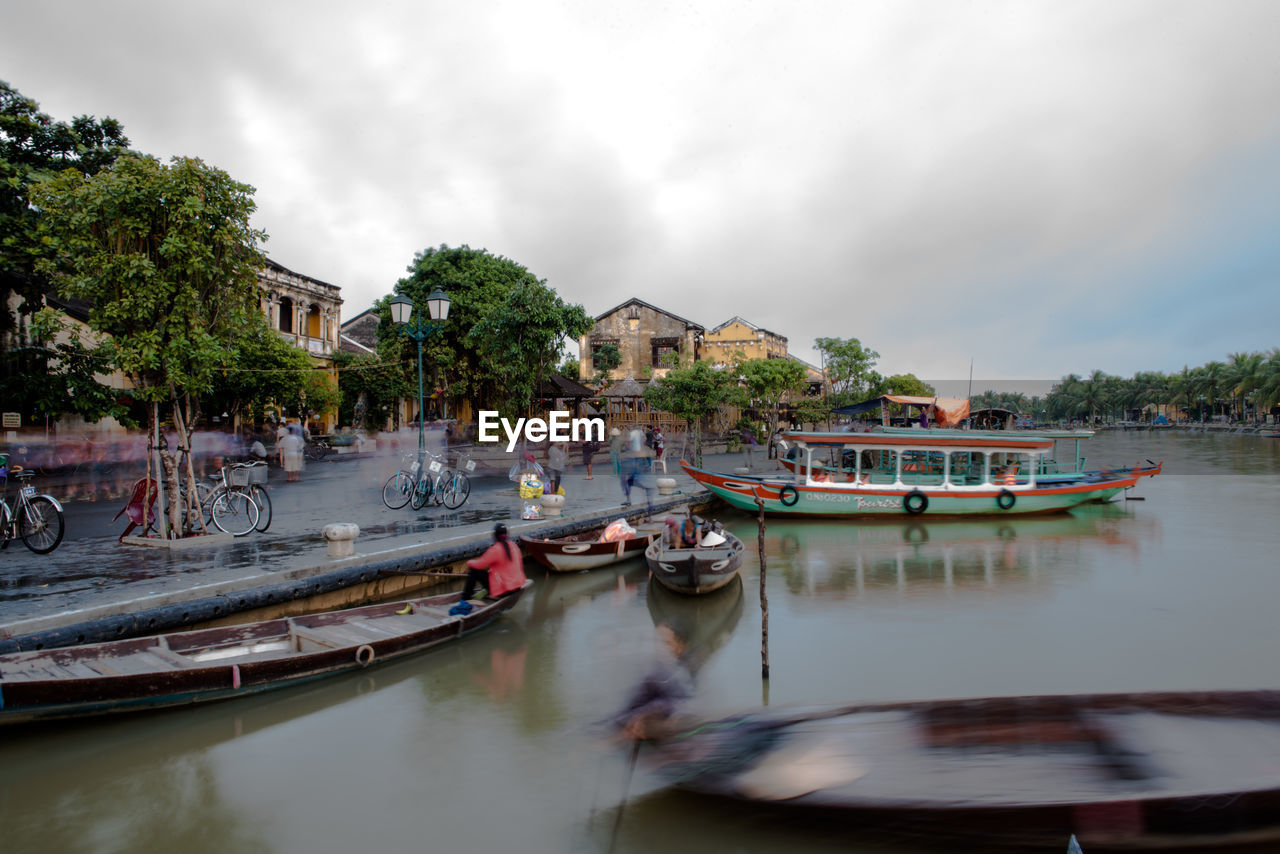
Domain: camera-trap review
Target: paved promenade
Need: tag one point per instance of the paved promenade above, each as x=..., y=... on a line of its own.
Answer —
x=90, y=575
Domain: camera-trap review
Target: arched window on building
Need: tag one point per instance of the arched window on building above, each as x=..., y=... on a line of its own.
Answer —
x=286, y=314
x=312, y=328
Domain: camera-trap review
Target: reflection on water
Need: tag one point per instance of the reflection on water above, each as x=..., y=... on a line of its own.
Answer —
x=822, y=558
x=1174, y=592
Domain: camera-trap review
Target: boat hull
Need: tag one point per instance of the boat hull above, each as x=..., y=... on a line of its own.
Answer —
x=587, y=551
x=208, y=665
x=695, y=571
x=782, y=497
x=1120, y=771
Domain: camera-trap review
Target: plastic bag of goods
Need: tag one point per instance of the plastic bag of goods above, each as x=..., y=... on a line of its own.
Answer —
x=617, y=530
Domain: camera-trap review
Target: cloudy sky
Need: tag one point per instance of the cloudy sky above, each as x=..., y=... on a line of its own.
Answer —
x=1040, y=187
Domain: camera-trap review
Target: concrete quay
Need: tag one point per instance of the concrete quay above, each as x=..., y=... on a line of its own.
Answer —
x=91, y=588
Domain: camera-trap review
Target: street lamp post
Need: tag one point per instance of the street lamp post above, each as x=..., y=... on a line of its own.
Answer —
x=403, y=315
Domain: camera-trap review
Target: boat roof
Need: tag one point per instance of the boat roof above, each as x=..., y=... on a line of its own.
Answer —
x=942, y=440
x=1036, y=434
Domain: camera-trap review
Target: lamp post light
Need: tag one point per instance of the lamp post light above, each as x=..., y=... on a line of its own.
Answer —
x=402, y=314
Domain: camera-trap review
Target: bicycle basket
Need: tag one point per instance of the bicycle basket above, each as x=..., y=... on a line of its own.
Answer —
x=257, y=473
x=236, y=476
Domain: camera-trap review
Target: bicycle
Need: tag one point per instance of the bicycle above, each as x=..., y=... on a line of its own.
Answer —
x=413, y=486
x=36, y=519
x=233, y=504
x=316, y=449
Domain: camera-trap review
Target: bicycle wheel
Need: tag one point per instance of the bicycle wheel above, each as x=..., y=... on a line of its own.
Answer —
x=6, y=525
x=421, y=493
x=441, y=483
x=234, y=512
x=397, y=489
x=263, y=500
x=457, y=491
x=40, y=524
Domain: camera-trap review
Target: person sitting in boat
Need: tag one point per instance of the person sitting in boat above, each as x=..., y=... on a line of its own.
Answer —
x=821, y=476
x=684, y=535
x=659, y=694
x=500, y=570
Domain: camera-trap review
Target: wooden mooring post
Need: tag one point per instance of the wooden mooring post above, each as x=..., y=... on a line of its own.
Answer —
x=764, y=598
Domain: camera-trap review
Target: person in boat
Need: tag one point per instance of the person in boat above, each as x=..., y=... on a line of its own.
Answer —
x=658, y=696
x=821, y=476
x=500, y=570
x=686, y=534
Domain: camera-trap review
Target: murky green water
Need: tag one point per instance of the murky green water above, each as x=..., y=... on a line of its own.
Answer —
x=489, y=745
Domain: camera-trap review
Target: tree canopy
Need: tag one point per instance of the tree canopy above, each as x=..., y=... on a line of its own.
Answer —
x=167, y=261
x=504, y=333
x=850, y=369
x=693, y=393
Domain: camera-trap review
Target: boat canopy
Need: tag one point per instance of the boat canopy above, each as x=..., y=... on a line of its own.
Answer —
x=927, y=440
x=946, y=411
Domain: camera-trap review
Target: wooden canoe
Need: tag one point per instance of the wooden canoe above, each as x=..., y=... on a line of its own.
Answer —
x=587, y=550
x=697, y=570
x=1120, y=771
x=232, y=661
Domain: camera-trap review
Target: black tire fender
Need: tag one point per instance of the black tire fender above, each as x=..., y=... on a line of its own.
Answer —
x=782, y=496
x=1006, y=499
x=915, y=502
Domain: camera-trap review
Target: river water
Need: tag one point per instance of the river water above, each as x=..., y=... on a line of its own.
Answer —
x=491, y=744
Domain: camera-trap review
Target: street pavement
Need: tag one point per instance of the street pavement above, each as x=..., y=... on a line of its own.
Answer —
x=90, y=573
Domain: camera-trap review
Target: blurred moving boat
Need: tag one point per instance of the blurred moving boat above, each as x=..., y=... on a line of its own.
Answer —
x=919, y=472
x=231, y=661
x=1119, y=771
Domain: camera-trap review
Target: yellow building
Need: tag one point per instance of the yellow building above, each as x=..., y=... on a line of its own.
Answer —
x=735, y=337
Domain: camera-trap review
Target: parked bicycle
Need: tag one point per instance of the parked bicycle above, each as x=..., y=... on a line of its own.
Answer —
x=316, y=449
x=410, y=485
x=238, y=502
x=36, y=519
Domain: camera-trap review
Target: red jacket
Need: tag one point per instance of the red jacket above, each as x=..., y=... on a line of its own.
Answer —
x=505, y=573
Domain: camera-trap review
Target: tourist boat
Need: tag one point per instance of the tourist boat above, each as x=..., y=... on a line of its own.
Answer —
x=919, y=473
x=696, y=570
x=1057, y=466
x=232, y=661
x=589, y=550
x=1119, y=771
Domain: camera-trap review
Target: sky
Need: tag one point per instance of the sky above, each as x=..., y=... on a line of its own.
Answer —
x=1031, y=188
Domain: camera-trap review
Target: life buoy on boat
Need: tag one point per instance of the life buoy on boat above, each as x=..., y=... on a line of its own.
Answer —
x=782, y=495
x=1006, y=499
x=915, y=502
x=364, y=655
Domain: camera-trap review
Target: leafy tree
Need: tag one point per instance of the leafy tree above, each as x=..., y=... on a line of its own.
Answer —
x=33, y=146
x=850, y=369
x=767, y=383
x=606, y=359
x=264, y=371
x=568, y=368
x=693, y=393
x=504, y=330
x=167, y=260
x=366, y=378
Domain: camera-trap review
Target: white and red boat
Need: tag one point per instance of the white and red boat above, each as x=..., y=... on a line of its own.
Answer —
x=921, y=473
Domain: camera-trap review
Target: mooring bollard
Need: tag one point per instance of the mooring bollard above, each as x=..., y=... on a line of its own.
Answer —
x=552, y=505
x=666, y=486
x=341, y=538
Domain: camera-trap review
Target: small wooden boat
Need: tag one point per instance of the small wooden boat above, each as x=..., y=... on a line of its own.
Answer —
x=1119, y=771
x=232, y=661
x=588, y=550
x=696, y=570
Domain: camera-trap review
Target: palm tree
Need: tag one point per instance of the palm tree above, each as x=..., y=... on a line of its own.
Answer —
x=1245, y=375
